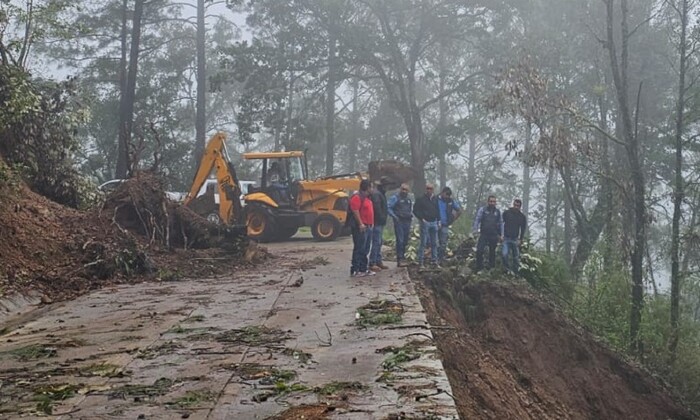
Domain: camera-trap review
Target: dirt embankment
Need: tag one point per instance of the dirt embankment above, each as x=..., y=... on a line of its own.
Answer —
x=512, y=355
x=135, y=234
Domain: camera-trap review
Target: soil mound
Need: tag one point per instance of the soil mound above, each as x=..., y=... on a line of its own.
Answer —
x=62, y=252
x=513, y=355
x=141, y=205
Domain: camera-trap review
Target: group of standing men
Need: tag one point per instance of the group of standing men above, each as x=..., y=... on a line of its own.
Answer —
x=493, y=227
x=369, y=212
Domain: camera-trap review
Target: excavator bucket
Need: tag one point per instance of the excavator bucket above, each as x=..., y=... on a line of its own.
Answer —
x=392, y=172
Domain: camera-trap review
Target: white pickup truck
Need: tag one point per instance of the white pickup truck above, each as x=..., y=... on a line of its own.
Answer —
x=111, y=185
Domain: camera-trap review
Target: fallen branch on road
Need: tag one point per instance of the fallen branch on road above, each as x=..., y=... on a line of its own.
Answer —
x=325, y=343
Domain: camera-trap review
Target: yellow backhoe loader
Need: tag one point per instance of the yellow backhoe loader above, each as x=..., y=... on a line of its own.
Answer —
x=286, y=198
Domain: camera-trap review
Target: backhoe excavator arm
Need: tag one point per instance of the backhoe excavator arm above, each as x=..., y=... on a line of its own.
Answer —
x=216, y=158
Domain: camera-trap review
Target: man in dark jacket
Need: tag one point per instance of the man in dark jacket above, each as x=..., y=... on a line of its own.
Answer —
x=428, y=215
x=380, y=216
x=514, y=227
x=489, y=225
x=399, y=208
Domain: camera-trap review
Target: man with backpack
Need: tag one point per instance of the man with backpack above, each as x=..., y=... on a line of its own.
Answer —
x=400, y=207
x=360, y=219
x=450, y=210
x=489, y=225
x=514, y=227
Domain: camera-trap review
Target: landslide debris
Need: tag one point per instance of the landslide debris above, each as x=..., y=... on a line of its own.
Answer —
x=135, y=234
x=513, y=355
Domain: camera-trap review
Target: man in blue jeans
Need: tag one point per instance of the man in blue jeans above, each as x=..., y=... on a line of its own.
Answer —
x=400, y=207
x=514, y=227
x=489, y=225
x=428, y=215
x=361, y=219
x=449, y=212
x=378, y=197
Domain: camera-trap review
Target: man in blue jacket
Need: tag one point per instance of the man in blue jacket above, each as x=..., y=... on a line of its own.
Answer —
x=400, y=209
x=489, y=225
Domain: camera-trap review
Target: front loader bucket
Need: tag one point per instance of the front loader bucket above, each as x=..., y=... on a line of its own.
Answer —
x=392, y=172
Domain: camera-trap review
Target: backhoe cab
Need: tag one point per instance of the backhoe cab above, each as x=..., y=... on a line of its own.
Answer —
x=287, y=199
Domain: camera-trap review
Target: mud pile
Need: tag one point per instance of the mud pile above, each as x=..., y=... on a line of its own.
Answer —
x=141, y=205
x=513, y=355
x=136, y=234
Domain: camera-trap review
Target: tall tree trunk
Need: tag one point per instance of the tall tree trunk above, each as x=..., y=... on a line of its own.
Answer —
x=693, y=220
x=442, y=127
x=650, y=270
x=353, y=143
x=568, y=229
x=126, y=106
x=606, y=189
x=471, y=176
x=526, y=169
x=201, y=119
x=619, y=69
x=330, y=96
x=290, y=111
x=416, y=138
x=549, y=217
x=679, y=187
x=122, y=149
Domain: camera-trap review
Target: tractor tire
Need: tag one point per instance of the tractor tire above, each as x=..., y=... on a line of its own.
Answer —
x=326, y=228
x=285, y=232
x=260, y=224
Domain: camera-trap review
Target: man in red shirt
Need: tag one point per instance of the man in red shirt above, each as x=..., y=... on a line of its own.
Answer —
x=361, y=224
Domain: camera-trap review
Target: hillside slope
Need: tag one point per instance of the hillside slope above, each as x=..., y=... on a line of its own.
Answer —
x=513, y=355
x=61, y=252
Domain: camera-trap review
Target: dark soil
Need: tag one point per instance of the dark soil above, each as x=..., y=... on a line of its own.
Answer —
x=512, y=355
x=62, y=252
x=305, y=412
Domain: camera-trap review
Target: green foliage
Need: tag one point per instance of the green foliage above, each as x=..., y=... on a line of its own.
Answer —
x=160, y=387
x=38, y=125
x=8, y=176
x=32, y=352
x=46, y=395
x=399, y=357
x=167, y=275
x=192, y=399
x=546, y=271
x=604, y=306
x=379, y=312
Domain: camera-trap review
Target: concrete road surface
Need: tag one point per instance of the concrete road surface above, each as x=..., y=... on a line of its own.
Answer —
x=296, y=331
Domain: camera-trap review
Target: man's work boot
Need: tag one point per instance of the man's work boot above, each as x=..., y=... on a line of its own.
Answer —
x=382, y=266
x=375, y=268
